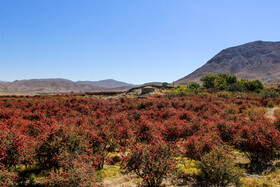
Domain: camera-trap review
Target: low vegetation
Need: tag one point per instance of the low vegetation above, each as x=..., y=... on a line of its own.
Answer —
x=218, y=169
x=223, y=81
x=205, y=137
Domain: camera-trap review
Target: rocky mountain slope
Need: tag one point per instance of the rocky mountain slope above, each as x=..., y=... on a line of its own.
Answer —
x=255, y=60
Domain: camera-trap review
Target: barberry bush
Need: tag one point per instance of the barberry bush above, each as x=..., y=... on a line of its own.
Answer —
x=42, y=134
x=7, y=178
x=150, y=162
x=200, y=144
x=260, y=141
x=74, y=172
x=217, y=168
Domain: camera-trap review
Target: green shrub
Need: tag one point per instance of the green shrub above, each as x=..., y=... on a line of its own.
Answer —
x=220, y=83
x=223, y=81
x=180, y=87
x=208, y=80
x=218, y=169
x=224, y=94
x=205, y=94
x=270, y=94
x=193, y=86
x=270, y=104
x=235, y=87
x=254, y=85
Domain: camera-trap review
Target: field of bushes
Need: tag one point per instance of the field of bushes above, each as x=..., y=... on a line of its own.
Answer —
x=173, y=139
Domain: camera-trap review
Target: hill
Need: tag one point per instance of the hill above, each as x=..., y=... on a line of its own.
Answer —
x=254, y=60
x=60, y=86
x=108, y=83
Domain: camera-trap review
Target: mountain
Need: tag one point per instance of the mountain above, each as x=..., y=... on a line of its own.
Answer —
x=153, y=83
x=61, y=86
x=108, y=83
x=254, y=60
x=47, y=86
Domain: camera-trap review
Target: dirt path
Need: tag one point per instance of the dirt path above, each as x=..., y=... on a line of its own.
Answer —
x=270, y=112
x=123, y=181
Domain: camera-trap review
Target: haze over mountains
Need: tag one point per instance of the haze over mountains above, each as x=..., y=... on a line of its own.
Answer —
x=254, y=60
x=61, y=85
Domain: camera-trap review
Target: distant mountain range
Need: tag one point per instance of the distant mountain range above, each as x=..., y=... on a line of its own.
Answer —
x=61, y=86
x=108, y=83
x=255, y=60
x=153, y=83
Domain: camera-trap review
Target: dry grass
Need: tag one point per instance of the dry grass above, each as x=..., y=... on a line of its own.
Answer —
x=272, y=179
x=255, y=111
x=276, y=113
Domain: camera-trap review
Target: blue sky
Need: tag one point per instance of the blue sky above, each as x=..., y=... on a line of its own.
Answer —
x=135, y=41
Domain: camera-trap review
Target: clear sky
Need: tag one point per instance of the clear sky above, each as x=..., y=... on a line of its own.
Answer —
x=135, y=41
